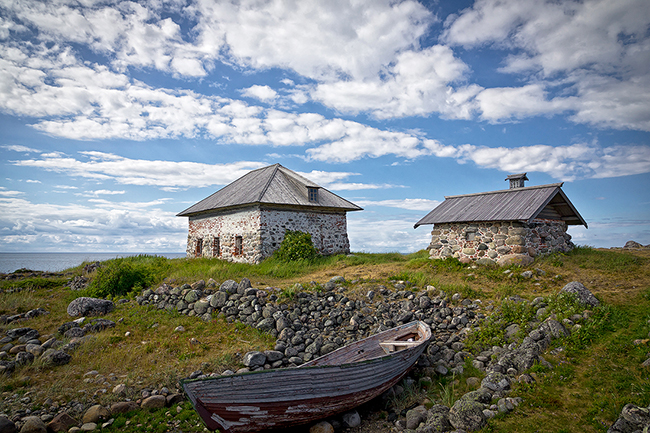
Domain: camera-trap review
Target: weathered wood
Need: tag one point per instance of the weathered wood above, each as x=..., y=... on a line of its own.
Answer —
x=338, y=381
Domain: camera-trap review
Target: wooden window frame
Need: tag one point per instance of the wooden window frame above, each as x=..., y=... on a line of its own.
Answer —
x=312, y=193
x=239, y=245
x=216, y=247
x=198, y=248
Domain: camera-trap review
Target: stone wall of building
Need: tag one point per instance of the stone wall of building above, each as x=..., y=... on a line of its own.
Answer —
x=217, y=234
x=261, y=231
x=328, y=230
x=501, y=242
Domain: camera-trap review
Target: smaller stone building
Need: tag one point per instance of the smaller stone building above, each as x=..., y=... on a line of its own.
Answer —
x=506, y=226
x=246, y=220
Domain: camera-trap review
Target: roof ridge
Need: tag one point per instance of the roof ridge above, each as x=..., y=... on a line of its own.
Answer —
x=276, y=167
x=554, y=185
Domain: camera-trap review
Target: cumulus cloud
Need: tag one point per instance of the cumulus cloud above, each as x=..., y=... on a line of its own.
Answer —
x=419, y=204
x=106, y=166
x=104, y=226
x=263, y=93
x=596, y=52
x=19, y=148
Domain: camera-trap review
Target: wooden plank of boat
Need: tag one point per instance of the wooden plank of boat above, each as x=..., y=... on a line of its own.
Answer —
x=338, y=381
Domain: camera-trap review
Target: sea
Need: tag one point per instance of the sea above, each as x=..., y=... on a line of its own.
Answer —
x=56, y=262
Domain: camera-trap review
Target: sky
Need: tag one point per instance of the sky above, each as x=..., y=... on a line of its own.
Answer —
x=116, y=115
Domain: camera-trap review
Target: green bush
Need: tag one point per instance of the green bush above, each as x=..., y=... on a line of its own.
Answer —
x=296, y=245
x=119, y=276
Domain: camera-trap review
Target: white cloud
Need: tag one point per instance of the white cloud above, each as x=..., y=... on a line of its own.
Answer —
x=107, y=226
x=596, y=52
x=19, y=148
x=419, y=204
x=99, y=192
x=263, y=93
x=106, y=166
x=385, y=235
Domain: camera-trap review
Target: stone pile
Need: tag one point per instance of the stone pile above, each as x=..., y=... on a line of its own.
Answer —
x=633, y=419
x=315, y=323
x=5, y=320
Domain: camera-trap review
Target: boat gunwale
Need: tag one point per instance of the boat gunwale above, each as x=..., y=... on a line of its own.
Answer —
x=352, y=364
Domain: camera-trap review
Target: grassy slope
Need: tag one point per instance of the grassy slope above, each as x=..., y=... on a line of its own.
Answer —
x=584, y=393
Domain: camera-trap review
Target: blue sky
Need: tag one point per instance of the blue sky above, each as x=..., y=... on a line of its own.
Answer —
x=115, y=116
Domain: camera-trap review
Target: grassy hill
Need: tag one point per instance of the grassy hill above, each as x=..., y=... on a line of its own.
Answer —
x=592, y=379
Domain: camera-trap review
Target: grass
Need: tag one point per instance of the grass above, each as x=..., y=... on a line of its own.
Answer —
x=596, y=374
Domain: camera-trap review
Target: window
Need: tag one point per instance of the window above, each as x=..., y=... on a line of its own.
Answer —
x=239, y=245
x=198, y=249
x=313, y=194
x=216, y=247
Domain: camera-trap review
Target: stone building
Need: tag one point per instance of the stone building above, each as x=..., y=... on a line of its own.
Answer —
x=506, y=226
x=246, y=220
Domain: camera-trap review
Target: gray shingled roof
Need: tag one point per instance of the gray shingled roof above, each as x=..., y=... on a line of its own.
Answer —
x=273, y=185
x=517, y=204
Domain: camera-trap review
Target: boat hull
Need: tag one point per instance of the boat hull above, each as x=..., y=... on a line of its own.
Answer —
x=272, y=399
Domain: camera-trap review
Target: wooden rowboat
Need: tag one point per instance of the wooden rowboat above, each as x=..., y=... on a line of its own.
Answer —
x=333, y=383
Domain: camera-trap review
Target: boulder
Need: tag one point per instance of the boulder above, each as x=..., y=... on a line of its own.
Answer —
x=123, y=406
x=56, y=357
x=61, y=423
x=583, y=294
x=33, y=424
x=154, y=402
x=97, y=325
x=24, y=358
x=7, y=426
x=467, y=415
x=18, y=332
x=90, y=307
x=322, y=427
x=437, y=420
x=515, y=259
x=415, y=416
x=254, y=359
x=95, y=413
x=636, y=415
x=229, y=286
x=351, y=419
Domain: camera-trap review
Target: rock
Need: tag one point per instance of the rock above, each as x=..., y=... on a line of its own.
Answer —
x=98, y=325
x=515, y=259
x=33, y=424
x=351, y=419
x=18, y=332
x=123, y=406
x=74, y=332
x=192, y=296
x=120, y=389
x=95, y=413
x=229, y=286
x=7, y=426
x=583, y=294
x=415, y=416
x=219, y=299
x=243, y=285
x=56, y=357
x=89, y=426
x=154, y=402
x=266, y=325
x=24, y=358
x=636, y=415
x=90, y=307
x=201, y=307
x=61, y=423
x=254, y=359
x=437, y=420
x=632, y=244
x=174, y=398
x=273, y=355
x=322, y=427
x=467, y=415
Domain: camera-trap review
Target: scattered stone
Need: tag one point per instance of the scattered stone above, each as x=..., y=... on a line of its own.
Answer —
x=322, y=427
x=154, y=402
x=95, y=413
x=254, y=359
x=7, y=426
x=583, y=294
x=467, y=415
x=61, y=423
x=123, y=407
x=33, y=424
x=351, y=419
x=90, y=307
x=56, y=357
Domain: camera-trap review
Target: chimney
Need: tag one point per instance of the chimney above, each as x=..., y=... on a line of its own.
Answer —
x=517, y=180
